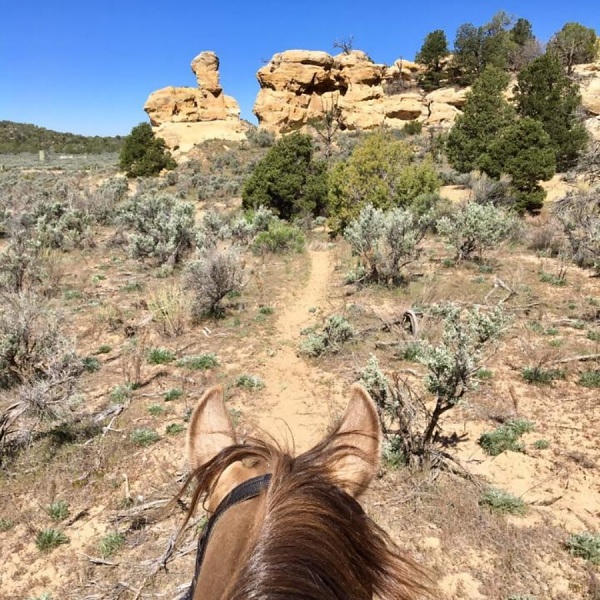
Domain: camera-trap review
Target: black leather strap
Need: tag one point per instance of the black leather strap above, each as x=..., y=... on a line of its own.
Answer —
x=245, y=491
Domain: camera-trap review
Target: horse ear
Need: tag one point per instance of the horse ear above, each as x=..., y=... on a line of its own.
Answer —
x=360, y=429
x=210, y=429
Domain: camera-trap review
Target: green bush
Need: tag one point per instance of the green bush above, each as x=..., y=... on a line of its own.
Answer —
x=48, y=539
x=505, y=437
x=160, y=356
x=143, y=154
x=502, y=502
x=474, y=228
x=173, y=394
x=385, y=242
x=163, y=227
x=199, y=362
x=58, y=510
x=174, y=428
x=250, y=382
x=279, y=237
x=142, y=436
x=335, y=332
x=413, y=127
x=110, y=544
x=590, y=379
x=90, y=364
x=288, y=179
x=539, y=376
x=381, y=171
x=585, y=545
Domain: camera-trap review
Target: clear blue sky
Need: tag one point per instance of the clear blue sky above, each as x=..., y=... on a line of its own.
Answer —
x=87, y=66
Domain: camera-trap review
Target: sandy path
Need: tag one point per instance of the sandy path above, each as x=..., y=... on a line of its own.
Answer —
x=299, y=398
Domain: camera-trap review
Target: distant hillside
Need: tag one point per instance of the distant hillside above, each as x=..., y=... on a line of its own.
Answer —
x=23, y=137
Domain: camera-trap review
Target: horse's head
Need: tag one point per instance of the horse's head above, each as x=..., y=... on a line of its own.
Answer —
x=285, y=527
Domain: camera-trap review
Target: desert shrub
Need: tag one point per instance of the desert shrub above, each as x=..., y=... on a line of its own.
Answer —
x=48, y=539
x=211, y=277
x=410, y=427
x=260, y=137
x=110, y=544
x=213, y=229
x=156, y=410
x=143, y=154
x=590, y=379
x=413, y=127
x=474, y=228
x=541, y=376
x=142, y=436
x=502, y=502
x=199, y=362
x=32, y=348
x=250, y=382
x=90, y=364
x=585, y=545
x=173, y=394
x=385, y=242
x=174, y=428
x=486, y=190
x=279, y=237
x=21, y=265
x=382, y=172
x=58, y=510
x=546, y=238
x=579, y=215
x=163, y=227
x=541, y=444
x=505, y=437
x=160, y=356
x=335, y=332
x=168, y=305
x=121, y=393
x=288, y=179
x=5, y=524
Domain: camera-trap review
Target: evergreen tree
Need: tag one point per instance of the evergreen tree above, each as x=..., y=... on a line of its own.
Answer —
x=431, y=54
x=485, y=114
x=545, y=93
x=475, y=48
x=574, y=44
x=522, y=32
x=288, y=180
x=143, y=154
x=524, y=151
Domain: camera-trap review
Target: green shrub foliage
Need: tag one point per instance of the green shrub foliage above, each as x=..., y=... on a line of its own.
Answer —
x=545, y=93
x=381, y=171
x=486, y=113
x=143, y=154
x=574, y=44
x=385, y=242
x=475, y=228
x=288, y=180
x=163, y=227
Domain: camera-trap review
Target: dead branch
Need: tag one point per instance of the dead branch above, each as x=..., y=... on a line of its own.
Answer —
x=582, y=358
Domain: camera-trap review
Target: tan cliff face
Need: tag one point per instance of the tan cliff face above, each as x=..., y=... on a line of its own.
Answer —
x=299, y=85
x=184, y=116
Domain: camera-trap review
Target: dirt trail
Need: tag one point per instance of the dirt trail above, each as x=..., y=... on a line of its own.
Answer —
x=299, y=396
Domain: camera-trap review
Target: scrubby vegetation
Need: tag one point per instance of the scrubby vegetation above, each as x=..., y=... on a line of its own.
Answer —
x=279, y=267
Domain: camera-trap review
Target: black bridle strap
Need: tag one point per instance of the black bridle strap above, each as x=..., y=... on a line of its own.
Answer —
x=247, y=490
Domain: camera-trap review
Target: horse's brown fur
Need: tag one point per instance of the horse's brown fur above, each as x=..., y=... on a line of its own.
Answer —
x=314, y=541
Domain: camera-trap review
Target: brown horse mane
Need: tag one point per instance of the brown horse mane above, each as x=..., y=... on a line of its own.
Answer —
x=316, y=542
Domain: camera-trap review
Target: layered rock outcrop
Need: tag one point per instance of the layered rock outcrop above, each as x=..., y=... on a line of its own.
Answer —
x=184, y=116
x=588, y=77
x=299, y=85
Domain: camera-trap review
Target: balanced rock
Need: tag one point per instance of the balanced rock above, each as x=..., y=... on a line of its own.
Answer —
x=185, y=116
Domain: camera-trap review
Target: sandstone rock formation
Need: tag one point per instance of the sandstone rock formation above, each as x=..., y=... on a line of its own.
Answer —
x=299, y=85
x=184, y=116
